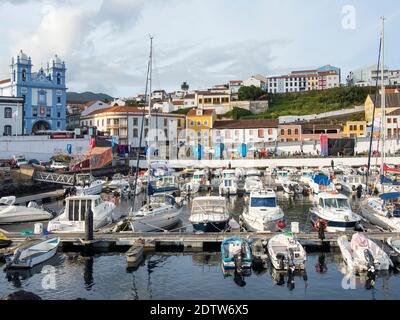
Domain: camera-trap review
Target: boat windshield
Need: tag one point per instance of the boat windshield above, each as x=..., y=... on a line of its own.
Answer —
x=229, y=174
x=263, y=202
x=337, y=203
x=228, y=183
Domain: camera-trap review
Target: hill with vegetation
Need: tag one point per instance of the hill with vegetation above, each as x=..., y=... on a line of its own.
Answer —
x=87, y=96
x=313, y=102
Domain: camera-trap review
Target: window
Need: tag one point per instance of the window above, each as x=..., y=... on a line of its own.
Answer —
x=90, y=123
x=7, y=130
x=269, y=131
x=58, y=99
x=205, y=122
x=146, y=132
x=23, y=74
x=200, y=101
x=116, y=122
x=58, y=78
x=289, y=132
x=116, y=132
x=59, y=116
x=166, y=133
x=389, y=132
x=42, y=97
x=394, y=120
x=389, y=120
x=14, y=76
x=146, y=122
x=282, y=132
x=135, y=121
x=48, y=112
x=58, y=124
x=192, y=123
x=361, y=127
x=135, y=133
x=7, y=112
x=261, y=133
x=108, y=121
x=102, y=122
x=34, y=111
x=296, y=131
x=165, y=122
x=198, y=123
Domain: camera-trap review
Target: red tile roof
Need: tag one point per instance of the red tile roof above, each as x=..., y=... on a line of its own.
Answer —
x=246, y=124
x=5, y=81
x=206, y=112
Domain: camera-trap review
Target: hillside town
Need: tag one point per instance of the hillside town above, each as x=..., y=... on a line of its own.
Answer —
x=34, y=102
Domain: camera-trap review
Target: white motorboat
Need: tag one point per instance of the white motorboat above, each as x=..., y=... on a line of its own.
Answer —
x=209, y=214
x=33, y=253
x=253, y=173
x=263, y=213
x=228, y=186
x=351, y=184
x=253, y=183
x=292, y=187
x=383, y=211
x=335, y=210
x=88, y=186
x=76, y=209
x=200, y=178
x=281, y=177
x=159, y=214
x=286, y=253
x=118, y=181
x=361, y=254
x=11, y=213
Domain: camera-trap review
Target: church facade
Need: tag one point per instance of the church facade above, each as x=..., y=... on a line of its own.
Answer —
x=44, y=93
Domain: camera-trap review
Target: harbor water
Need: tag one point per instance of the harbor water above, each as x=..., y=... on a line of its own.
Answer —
x=195, y=276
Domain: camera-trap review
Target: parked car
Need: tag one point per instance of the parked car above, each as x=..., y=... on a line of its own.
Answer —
x=20, y=160
x=59, y=166
x=34, y=161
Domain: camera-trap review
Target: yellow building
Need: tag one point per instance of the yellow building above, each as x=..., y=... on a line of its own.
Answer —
x=392, y=104
x=218, y=101
x=199, y=123
x=355, y=129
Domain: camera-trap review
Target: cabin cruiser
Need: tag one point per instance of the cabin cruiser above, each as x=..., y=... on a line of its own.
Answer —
x=209, y=214
x=159, y=214
x=286, y=253
x=362, y=254
x=383, y=211
x=231, y=183
x=11, y=213
x=76, y=209
x=263, y=213
x=292, y=187
x=167, y=184
x=252, y=183
x=335, y=210
x=351, y=184
x=281, y=176
x=321, y=183
x=201, y=178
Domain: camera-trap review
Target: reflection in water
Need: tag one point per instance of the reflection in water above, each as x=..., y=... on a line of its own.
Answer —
x=281, y=278
x=321, y=266
x=88, y=273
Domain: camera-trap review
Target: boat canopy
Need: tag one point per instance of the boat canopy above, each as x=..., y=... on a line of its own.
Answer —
x=322, y=180
x=390, y=196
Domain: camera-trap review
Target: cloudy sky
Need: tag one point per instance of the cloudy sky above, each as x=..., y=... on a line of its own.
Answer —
x=105, y=43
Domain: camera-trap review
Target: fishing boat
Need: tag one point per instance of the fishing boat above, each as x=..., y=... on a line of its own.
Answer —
x=252, y=183
x=160, y=213
x=262, y=213
x=236, y=254
x=286, y=253
x=334, y=209
x=363, y=255
x=4, y=241
x=383, y=211
x=11, y=213
x=34, y=253
x=76, y=209
x=209, y=214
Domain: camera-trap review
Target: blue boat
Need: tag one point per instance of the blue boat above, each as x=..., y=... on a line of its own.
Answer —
x=236, y=252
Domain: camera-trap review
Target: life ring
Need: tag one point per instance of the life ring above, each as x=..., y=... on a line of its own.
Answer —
x=320, y=222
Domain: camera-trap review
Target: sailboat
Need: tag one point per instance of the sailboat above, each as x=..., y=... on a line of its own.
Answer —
x=384, y=210
x=160, y=212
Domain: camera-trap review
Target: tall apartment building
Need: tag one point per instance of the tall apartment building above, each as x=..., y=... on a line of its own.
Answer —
x=326, y=77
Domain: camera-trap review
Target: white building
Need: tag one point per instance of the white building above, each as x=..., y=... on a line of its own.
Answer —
x=11, y=116
x=369, y=75
x=94, y=106
x=258, y=81
x=189, y=101
x=251, y=132
x=159, y=95
x=125, y=124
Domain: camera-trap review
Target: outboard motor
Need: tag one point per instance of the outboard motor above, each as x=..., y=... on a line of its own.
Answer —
x=281, y=258
x=369, y=258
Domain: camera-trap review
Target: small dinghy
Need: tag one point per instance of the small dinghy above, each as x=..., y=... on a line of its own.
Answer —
x=236, y=254
x=134, y=255
x=4, y=241
x=33, y=253
x=260, y=254
x=286, y=253
x=363, y=255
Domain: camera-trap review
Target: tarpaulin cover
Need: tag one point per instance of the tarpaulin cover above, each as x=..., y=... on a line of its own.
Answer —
x=96, y=158
x=390, y=196
x=322, y=180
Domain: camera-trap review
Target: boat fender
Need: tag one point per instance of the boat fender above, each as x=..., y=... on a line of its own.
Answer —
x=320, y=223
x=281, y=224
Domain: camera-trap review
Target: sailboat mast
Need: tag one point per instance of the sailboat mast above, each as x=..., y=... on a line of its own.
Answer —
x=383, y=100
x=149, y=114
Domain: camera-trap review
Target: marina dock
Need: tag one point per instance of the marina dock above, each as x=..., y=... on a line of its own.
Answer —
x=180, y=242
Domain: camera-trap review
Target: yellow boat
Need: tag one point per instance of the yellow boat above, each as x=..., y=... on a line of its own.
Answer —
x=4, y=241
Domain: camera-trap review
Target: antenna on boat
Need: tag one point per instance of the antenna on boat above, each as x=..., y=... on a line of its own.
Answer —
x=150, y=75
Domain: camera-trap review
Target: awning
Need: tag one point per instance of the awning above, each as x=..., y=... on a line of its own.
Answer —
x=390, y=196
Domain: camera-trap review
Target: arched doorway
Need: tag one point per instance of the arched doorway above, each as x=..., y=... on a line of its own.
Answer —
x=40, y=126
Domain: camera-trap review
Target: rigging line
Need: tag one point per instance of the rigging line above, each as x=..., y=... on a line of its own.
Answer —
x=373, y=113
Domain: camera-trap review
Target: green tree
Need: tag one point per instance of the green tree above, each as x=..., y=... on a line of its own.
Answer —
x=250, y=93
x=238, y=113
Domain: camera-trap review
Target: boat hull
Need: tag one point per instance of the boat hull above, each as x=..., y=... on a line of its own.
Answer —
x=334, y=226
x=210, y=226
x=156, y=223
x=24, y=217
